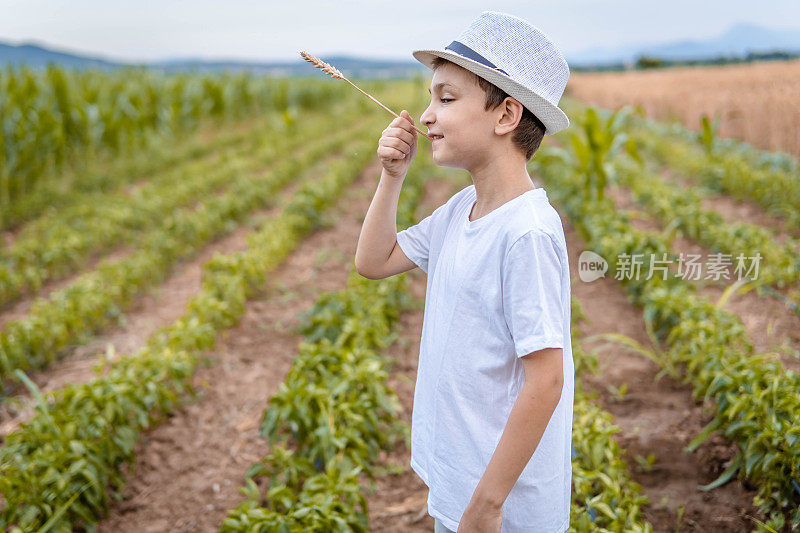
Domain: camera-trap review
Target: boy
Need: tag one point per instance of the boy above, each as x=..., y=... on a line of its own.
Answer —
x=491, y=428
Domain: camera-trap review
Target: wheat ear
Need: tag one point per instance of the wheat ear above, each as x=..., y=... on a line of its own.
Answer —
x=334, y=72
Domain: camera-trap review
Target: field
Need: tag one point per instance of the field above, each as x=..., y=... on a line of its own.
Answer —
x=755, y=102
x=185, y=344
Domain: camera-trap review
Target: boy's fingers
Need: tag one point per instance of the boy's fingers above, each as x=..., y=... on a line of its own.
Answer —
x=408, y=123
x=402, y=133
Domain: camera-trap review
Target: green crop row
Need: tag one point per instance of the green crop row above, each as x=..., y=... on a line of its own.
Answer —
x=339, y=412
x=334, y=411
x=57, y=471
x=725, y=171
x=57, y=245
x=50, y=117
x=604, y=498
x=72, y=314
x=756, y=400
x=89, y=178
x=679, y=207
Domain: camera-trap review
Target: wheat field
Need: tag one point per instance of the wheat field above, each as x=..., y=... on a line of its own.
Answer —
x=758, y=103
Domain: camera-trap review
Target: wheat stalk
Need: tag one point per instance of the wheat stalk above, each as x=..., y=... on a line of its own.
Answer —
x=335, y=73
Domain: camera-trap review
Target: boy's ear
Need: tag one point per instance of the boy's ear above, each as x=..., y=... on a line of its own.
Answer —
x=512, y=111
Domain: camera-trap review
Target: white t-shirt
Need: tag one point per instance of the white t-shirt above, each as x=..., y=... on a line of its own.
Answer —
x=498, y=288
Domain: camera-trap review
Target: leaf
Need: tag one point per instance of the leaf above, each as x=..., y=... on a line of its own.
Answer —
x=725, y=476
x=703, y=435
x=633, y=151
x=743, y=284
x=61, y=510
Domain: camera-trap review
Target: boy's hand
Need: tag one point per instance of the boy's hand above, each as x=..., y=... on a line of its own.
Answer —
x=481, y=518
x=398, y=146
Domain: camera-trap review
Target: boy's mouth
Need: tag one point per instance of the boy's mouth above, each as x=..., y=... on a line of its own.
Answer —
x=436, y=137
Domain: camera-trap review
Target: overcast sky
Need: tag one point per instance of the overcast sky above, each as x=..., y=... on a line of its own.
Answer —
x=145, y=30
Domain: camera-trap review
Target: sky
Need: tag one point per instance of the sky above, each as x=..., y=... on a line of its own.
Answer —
x=270, y=30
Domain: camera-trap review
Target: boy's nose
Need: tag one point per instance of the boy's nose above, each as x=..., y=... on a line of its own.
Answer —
x=427, y=117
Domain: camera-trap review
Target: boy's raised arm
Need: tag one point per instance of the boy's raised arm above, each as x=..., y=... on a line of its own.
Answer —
x=377, y=253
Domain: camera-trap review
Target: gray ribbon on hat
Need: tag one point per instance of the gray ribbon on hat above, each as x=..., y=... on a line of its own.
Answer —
x=464, y=50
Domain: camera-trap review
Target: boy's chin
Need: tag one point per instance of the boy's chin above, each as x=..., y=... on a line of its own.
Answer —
x=442, y=161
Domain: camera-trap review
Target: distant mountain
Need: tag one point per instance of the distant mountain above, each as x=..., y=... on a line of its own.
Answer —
x=736, y=41
x=350, y=66
x=38, y=56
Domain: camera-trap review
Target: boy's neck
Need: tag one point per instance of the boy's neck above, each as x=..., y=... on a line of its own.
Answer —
x=498, y=182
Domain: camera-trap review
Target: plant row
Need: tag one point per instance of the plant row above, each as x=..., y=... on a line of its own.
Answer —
x=725, y=171
x=755, y=398
x=706, y=138
x=71, y=315
x=604, y=498
x=56, y=245
x=679, y=207
x=58, y=470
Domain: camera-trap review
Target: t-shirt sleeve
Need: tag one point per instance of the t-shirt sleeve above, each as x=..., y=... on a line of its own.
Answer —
x=531, y=288
x=415, y=242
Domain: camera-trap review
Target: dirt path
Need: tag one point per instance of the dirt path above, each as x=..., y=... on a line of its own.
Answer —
x=189, y=469
x=658, y=417
x=770, y=324
x=157, y=307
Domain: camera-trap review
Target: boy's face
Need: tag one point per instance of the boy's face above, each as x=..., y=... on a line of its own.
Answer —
x=457, y=113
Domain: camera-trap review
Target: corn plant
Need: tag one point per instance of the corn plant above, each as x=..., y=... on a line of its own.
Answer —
x=600, y=141
x=708, y=135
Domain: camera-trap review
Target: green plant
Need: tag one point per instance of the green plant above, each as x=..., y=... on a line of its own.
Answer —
x=618, y=394
x=646, y=464
x=708, y=135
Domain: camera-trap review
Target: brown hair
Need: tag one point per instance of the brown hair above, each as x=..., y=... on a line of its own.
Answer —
x=528, y=134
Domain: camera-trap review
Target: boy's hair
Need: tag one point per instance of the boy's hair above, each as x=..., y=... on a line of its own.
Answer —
x=528, y=134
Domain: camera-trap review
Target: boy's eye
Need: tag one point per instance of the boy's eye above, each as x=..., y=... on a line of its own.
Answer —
x=445, y=99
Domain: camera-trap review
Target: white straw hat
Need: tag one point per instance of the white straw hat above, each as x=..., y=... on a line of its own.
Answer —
x=517, y=57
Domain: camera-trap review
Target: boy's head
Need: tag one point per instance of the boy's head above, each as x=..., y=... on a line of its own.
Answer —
x=502, y=110
x=495, y=91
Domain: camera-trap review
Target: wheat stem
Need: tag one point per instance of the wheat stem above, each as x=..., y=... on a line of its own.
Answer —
x=335, y=73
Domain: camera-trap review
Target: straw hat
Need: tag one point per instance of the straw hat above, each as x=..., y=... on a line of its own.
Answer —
x=517, y=57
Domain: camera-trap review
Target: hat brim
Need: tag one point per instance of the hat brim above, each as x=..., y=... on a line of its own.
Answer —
x=553, y=118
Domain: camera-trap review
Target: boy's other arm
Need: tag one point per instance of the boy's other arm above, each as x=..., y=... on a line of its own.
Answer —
x=378, y=255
